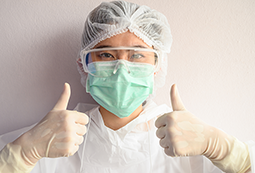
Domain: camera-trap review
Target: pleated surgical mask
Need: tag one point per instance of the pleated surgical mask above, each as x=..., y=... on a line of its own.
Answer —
x=122, y=86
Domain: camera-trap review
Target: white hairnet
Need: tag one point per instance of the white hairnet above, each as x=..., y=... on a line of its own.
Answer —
x=116, y=17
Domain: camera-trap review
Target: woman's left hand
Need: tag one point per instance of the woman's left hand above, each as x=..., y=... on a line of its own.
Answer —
x=181, y=133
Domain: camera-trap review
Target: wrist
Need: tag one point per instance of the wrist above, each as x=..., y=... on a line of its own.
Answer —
x=218, y=145
x=10, y=157
x=228, y=153
x=27, y=150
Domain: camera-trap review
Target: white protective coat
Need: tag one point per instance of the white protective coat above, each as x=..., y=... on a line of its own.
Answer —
x=132, y=148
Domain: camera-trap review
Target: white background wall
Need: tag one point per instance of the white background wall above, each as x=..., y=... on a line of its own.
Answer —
x=212, y=59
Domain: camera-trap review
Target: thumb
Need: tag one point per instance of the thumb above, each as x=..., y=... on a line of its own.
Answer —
x=64, y=98
x=176, y=101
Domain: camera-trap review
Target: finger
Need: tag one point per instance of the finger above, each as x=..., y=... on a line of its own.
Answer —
x=64, y=98
x=160, y=122
x=164, y=142
x=170, y=152
x=176, y=101
x=81, y=118
x=74, y=149
x=81, y=129
x=160, y=133
x=79, y=140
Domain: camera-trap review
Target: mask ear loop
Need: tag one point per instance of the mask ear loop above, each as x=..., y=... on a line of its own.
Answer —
x=149, y=146
x=84, y=144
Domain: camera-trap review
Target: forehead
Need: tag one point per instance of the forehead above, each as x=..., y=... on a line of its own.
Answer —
x=127, y=39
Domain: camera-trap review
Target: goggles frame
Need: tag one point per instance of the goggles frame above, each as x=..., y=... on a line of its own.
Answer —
x=84, y=53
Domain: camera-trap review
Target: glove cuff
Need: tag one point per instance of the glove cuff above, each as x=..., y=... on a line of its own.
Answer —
x=236, y=160
x=11, y=160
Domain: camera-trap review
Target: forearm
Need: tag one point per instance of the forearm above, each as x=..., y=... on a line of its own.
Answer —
x=11, y=160
x=229, y=154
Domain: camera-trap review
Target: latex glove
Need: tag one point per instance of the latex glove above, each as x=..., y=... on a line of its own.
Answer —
x=58, y=134
x=183, y=134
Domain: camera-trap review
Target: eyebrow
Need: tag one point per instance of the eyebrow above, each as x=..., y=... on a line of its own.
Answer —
x=102, y=46
x=108, y=46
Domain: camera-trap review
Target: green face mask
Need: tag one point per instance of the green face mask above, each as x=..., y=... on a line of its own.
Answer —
x=124, y=89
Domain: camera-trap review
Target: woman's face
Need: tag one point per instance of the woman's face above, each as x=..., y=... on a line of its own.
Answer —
x=126, y=39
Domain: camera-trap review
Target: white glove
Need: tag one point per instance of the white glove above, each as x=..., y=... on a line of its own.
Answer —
x=58, y=134
x=182, y=134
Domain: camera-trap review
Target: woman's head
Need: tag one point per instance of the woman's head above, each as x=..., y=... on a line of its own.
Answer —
x=111, y=19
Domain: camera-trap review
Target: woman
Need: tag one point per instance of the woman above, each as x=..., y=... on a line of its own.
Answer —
x=122, y=63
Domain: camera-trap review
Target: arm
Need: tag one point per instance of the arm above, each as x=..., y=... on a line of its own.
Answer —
x=228, y=153
x=11, y=160
x=183, y=134
x=58, y=134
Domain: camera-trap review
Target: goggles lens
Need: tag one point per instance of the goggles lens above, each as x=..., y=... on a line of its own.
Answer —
x=105, y=61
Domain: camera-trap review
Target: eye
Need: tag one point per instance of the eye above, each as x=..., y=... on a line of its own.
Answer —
x=105, y=55
x=137, y=56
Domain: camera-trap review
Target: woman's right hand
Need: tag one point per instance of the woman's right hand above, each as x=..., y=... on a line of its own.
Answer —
x=58, y=134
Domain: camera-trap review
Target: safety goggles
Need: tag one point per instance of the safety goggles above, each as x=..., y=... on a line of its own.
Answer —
x=104, y=62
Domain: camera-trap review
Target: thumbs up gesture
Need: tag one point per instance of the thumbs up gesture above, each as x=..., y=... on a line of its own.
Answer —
x=58, y=134
x=180, y=132
x=183, y=134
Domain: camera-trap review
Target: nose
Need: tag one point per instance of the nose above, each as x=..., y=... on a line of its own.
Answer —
x=123, y=54
x=121, y=63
